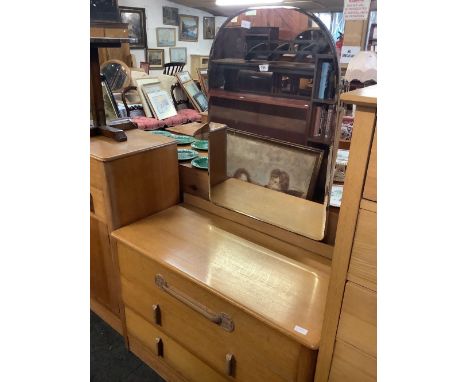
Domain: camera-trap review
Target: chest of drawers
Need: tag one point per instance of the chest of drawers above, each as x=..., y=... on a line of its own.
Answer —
x=128, y=181
x=238, y=310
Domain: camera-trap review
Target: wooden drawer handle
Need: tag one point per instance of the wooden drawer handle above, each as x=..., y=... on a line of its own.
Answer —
x=230, y=364
x=159, y=347
x=221, y=319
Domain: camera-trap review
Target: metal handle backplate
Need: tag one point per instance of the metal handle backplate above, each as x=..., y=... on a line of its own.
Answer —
x=221, y=319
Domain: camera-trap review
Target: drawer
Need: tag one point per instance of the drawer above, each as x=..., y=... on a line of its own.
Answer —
x=261, y=353
x=351, y=365
x=358, y=319
x=370, y=187
x=169, y=350
x=96, y=174
x=363, y=263
x=194, y=181
x=97, y=204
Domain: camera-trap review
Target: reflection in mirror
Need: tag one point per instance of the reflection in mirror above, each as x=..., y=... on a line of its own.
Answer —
x=117, y=74
x=273, y=76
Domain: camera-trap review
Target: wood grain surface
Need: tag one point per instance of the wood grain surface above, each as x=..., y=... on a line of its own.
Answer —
x=276, y=289
x=294, y=214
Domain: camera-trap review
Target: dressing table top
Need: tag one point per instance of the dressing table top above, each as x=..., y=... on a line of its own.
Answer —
x=106, y=149
x=279, y=291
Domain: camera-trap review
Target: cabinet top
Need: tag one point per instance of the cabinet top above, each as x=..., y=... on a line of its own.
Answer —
x=365, y=96
x=278, y=290
x=106, y=149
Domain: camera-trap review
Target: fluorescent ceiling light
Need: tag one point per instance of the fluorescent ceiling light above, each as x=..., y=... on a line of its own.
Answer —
x=246, y=2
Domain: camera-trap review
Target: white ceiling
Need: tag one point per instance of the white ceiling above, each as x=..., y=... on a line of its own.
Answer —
x=315, y=6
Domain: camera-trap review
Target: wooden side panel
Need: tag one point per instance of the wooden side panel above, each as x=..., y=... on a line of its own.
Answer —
x=370, y=189
x=98, y=204
x=358, y=320
x=172, y=353
x=142, y=184
x=96, y=173
x=352, y=365
x=217, y=153
x=363, y=265
x=101, y=267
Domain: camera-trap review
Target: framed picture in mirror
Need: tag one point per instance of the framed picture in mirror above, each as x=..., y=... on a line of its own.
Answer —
x=203, y=78
x=155, y=58
x=136, y=20
x=277, y=165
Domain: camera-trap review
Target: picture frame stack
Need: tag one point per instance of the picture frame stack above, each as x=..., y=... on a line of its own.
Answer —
x=190, y=88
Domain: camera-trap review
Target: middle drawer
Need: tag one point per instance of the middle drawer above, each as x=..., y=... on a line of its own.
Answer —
x=260, y=352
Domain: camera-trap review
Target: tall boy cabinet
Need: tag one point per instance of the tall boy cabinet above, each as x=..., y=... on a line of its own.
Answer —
x=348, y=350
x=129, y=181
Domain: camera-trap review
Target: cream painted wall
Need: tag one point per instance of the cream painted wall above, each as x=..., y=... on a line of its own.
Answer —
x=154, y=19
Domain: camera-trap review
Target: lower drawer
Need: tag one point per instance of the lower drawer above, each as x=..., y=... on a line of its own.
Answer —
x=166, y=349
x=261, y=353
x=351, y=365
x=358, y=319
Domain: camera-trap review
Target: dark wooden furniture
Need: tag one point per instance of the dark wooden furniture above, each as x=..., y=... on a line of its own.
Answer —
x=171, y=68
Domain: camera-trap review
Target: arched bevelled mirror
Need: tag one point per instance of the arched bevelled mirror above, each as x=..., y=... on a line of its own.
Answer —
x=273, y=76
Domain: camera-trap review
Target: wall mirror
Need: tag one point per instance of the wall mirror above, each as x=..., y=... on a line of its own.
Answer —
x=117, y=74
x=273, y=79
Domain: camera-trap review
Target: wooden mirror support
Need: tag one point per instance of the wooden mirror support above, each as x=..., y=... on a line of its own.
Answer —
x=100, y=126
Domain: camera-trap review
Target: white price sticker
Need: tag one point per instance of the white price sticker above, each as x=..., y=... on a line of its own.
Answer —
x=246, y=24
x=263, y=68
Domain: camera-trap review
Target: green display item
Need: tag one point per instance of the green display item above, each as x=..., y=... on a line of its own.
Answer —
x=200, y=145
x=200, y=162
x=184, y=154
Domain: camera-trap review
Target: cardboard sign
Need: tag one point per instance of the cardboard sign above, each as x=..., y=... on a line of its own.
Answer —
x=348, y=52
x=356, y=9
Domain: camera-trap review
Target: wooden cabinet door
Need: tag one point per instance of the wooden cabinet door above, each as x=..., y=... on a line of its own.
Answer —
x=101, y=266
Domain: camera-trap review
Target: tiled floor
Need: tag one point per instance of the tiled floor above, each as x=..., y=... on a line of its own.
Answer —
x=110, y=360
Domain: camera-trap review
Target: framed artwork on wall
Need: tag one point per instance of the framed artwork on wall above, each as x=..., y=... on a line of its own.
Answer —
x=136, y=20
x=178, y=54
x=170, y=16
x=166, y=37
x=104, y=10
x=188, y=28
x=155, y=58
x=208, y=28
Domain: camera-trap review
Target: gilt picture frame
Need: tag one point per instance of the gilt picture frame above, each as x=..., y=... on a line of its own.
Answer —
x=277, y=165
x=136, y=20
x=188, y=28
x=209, y=28
x=155, y=58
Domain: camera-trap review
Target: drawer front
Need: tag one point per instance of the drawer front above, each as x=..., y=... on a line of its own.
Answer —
x=169, y=350
x=358, y=319
x=260, y=352
x=363, y=263
x=351, y=365
x=194, y=181
x=370, y=187
x=97, y=204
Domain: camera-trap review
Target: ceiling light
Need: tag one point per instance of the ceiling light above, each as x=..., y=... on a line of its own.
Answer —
x=246, y=2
